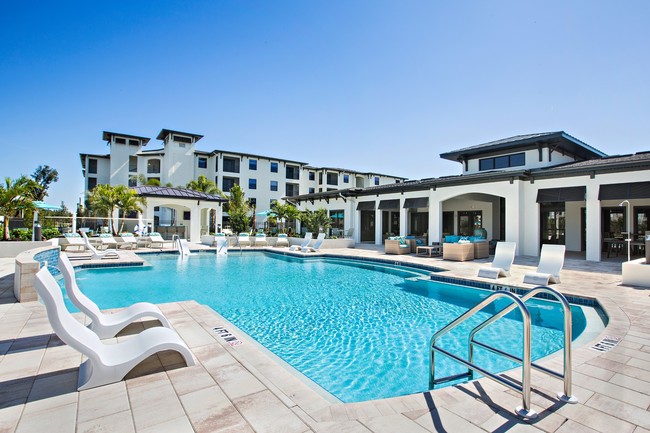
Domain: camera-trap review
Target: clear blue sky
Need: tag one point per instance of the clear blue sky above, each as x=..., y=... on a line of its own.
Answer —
x=371, y=85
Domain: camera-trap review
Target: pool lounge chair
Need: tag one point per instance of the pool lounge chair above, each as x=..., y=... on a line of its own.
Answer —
x=282, y=241
x=314, y=248
x=106, y=241
x=72, y=241
x=260, y=240
x=244, y=240
x=304, y=243
x=95, y=254
x=157, y=241
x=551, y=261
x=504, y=255
x=106, y=363
x=105, y=325
x=127, y=240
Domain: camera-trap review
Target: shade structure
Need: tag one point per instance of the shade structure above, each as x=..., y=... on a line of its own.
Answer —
x=624, y=191
x=551, y=195
x=414, y=203
x=44, y=206
x=389, y=204
x=366, y=205
x=266, y=213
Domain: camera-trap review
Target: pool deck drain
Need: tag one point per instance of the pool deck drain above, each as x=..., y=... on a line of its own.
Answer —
x=239, y=388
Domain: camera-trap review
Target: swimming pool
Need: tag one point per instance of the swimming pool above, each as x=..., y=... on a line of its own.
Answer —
x=360, y=330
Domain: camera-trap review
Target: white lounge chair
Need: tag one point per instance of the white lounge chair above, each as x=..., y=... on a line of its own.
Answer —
x=99, y=254
x=551, y=261
x=244, y=240
x=157, y=241
x=314, y=248
x=106, y=363
x=72, y=241
x=304, y=243
x=504, y=255
x=221, y=242
x=283, y=240
x=105, y=325
x=260, y=240
x=126, y=240
x=106, y=241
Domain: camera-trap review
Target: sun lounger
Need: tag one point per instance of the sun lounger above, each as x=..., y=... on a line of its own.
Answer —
x=95, y=254
x=244, y=240
x=282, y=240
x=106, y=241
x=260, y=240
x=126, y=240
x=551, y=261
x=157, y=241
x=72, y=241
x=314, y=248
x=105, y=325
x=304, y=243
x=504, y=255
x=106, y=363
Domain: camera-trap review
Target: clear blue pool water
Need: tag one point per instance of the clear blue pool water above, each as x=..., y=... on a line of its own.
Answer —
x=359, y=330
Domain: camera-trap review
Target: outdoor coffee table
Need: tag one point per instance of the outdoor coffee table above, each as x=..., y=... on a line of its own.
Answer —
x=429, y=251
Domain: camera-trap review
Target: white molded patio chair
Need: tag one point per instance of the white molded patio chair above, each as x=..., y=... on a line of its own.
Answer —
x=314, y=248
x=504, y=255
x=156, y=239
x=105, y=325
x=244, y=240
x=106, y=241
x=304, y=243
x=71, y=240
x=106, y=363
x=260, y=240
x=551, y=261
x=126, y=240
x=99, y=254
x=283, y=240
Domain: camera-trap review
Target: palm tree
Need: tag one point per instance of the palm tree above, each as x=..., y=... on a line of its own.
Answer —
x=103, y=199
x=207, y=186
x=316, y=221
x=284, y=212
x=44, y=176
x=15, y=195
x=238, y=209
x=127, y=200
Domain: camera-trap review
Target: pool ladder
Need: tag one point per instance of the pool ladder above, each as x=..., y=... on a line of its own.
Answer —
x=524, y=388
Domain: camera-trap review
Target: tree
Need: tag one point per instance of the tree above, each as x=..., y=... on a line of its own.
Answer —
x=207, y=186
x=127, y=201
x=238, y=210
x=316, y=221
x=15, y=195
x=43, y=177
x=284, y=212
x=103, y=199
x=141, y=179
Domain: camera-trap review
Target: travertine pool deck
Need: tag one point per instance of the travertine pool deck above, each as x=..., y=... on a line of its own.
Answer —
x=243, y=389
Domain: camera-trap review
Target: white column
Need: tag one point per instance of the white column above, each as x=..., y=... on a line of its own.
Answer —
x=435, y=218
x=219, y=217
x=593, y=241
x=195, y=222
x=378, y=224
x=403, y=218
x=74, y=222
x=516, y=212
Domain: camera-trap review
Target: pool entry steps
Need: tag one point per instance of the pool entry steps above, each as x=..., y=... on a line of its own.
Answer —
x=524, y=389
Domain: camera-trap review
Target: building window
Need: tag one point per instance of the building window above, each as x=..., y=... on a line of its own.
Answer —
x=252, y=183
x=346, y=178
x=134, y=142
x=133, y=181
x=311, y=190
x=203, y=162
x=229, y=182
x=92, y=166
x=153, y=166
x=252, y=201
x=119, y=140
x=181, y=139
x=92, y=183
x=332, y=178
x=133, y=164
x=320, y=178
x=292, y=189
x=499, y=162
x=187, y=215
x=252, y=164
x=231, y=165
x=312, y=175
x=293, y=172
x=274, y=185
x=376, y=180
x=274, y=167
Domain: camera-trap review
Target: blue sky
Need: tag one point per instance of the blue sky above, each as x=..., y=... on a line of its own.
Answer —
x=375, y=85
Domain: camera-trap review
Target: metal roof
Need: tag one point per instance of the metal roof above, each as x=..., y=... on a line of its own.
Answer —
x=561, y=139
x=106, y=136
x=181, y=193
x=165, y=132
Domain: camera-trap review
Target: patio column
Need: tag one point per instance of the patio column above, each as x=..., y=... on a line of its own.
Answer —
x=593, y=223
x=218, y=220
x=378, y=225
x=403, y=218
x=435, y=218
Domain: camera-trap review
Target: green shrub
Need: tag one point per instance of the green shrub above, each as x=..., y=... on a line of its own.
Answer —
x=21, y=234
x=50, y=233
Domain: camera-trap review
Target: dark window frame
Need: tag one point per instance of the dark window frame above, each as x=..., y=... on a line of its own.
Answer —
x=502, y=161
x=203, y=160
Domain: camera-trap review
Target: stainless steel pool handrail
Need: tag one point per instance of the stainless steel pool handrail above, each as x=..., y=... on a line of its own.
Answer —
x=524, y=389
x=565, y=396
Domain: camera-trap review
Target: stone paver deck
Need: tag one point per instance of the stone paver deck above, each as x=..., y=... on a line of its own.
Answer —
x=243, y=389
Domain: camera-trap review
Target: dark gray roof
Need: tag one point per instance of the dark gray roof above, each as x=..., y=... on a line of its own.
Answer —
x=165, y=132
x=106, y=136
x=560, y=139
x=182, y=193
